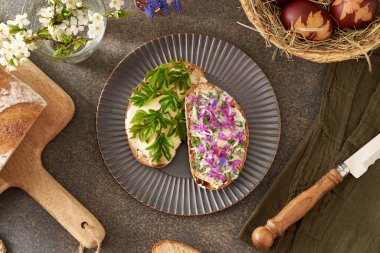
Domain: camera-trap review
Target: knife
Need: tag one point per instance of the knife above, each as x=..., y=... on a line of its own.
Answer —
x=264, y=236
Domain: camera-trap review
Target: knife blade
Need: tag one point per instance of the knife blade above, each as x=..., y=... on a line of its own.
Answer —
x=359, y=162
x=263, y=237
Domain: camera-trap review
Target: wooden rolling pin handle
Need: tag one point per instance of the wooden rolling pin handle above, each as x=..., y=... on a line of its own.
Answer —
x=263, y=237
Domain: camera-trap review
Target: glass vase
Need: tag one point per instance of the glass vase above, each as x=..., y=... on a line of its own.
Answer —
x=46, y=48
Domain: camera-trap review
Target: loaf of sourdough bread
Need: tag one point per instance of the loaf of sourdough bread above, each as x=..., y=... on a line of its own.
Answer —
x=19, y=108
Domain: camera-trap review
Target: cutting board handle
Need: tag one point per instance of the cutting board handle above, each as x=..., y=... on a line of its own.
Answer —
x=74, y=217
x=263, y=237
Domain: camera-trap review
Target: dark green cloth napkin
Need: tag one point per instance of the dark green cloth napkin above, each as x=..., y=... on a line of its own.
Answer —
x=348, y=218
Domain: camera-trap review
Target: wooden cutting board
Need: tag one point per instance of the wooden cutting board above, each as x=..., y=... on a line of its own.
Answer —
x=24, y=169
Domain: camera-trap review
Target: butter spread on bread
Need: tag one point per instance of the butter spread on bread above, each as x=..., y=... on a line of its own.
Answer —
x=19, y=108
x=155, y=118
x=217, y=136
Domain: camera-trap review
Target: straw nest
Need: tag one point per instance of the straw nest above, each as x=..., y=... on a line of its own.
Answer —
x=341, y=45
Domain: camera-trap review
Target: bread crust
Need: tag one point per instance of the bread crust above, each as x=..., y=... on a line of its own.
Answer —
x=14, y=124
x=146, y=162
x=198, y=181
x=156, y=246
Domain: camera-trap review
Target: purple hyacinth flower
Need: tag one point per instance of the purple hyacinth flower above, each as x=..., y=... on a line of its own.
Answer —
x=178, y=5
x=163, y=5
x=149, y=11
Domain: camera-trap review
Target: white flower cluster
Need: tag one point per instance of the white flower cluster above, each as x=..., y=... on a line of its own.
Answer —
x=116, y=4
x=78, y=21
x=68, y=22
x=97, y=25
x=72, y=4
x=15, y=42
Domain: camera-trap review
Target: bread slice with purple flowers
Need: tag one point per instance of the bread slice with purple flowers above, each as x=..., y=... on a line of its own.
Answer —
x=217, y=134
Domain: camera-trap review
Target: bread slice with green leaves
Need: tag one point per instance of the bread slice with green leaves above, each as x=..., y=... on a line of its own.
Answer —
x=173, y=247
x=217, y=136
x=155, y=118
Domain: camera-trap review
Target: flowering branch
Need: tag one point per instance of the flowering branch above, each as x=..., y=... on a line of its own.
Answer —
x=69, y=24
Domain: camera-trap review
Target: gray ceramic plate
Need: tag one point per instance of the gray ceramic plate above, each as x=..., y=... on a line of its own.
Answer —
x=172, y=189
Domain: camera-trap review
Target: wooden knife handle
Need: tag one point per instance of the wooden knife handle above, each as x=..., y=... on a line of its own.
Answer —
x=263, y=237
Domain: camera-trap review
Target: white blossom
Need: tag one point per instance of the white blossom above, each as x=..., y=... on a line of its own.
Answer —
x=46, y=15
x=21, y=21
x=64, y=27
x=4, y=31
x=3, y=61
x=31, y=46
x=47, y=12
x=96, y=18
x=44, y=21
x=72, y=4
x=82, y=16
x=10, y=67
x=52, y=31
x=74, y=26
x=95, y=29
x=19, y=49
x=25, y=35
x=6, y=50
x=14, y=50
x=116, y=4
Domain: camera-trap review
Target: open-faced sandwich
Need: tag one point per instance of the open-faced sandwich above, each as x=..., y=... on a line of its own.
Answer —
x=217, y=136
x=155, y=119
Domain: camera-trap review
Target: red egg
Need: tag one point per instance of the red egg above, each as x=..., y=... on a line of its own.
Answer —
x=353, y=14
x=307, y=19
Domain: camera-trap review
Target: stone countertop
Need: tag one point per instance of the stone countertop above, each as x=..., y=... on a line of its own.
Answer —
x=73, y=157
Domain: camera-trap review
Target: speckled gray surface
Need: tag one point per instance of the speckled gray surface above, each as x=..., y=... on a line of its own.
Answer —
x=73, y=157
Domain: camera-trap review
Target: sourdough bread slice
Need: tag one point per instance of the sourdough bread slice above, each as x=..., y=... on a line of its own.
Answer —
x=137, y=146
x=217, y=134
x=172, y=247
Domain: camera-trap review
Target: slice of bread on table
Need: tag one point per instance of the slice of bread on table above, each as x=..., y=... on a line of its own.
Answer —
x=172, y=247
